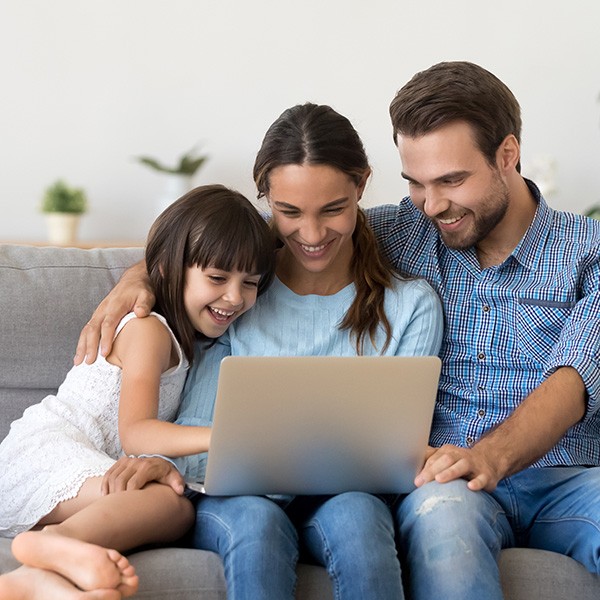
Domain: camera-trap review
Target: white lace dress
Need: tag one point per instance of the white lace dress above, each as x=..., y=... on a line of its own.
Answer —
x=65, y=439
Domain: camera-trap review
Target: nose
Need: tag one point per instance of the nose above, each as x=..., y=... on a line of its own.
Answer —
x=233, y=295
x=434, y=203
x=312, y=231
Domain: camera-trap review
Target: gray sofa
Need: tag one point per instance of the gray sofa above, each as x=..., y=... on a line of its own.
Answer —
x=46, y=295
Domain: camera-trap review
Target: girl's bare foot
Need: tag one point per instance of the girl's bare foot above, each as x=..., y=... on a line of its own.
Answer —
x=87, y=566
x=27, y=583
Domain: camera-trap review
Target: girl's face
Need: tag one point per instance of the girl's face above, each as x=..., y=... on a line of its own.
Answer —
x=214, y=298
x=314, y=210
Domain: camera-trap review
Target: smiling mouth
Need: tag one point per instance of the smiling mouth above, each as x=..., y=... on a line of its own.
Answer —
x=451, y=220
x=313, y=249
x=221, y=315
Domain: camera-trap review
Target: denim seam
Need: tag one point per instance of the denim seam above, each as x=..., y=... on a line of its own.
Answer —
x=578, y=518
x=514, y=515
x=221, y=522
x=328, y=555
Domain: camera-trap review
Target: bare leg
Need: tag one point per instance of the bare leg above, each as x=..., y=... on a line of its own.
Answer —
x=87, y=566
x=123, y=520
x=26, y=583
x=71, y=555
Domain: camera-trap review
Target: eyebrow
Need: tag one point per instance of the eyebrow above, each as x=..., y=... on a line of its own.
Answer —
x=441, y=178
x=332, y=204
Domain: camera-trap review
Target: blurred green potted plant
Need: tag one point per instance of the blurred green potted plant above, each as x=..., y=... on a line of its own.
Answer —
x=178, y=178
x=593, y=212
x=63, y=206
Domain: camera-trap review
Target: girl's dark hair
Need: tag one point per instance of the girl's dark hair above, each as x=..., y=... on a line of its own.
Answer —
x=458, y=91
x=317, y=135
x=210, y=226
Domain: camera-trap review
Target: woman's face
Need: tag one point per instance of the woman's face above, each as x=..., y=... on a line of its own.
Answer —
x=314, y=210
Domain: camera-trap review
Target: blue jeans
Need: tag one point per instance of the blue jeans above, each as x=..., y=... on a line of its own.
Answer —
x=255, y=539
x=451, y=537
x=351, y=534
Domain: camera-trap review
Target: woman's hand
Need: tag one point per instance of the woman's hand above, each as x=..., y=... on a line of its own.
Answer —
x=132, y=292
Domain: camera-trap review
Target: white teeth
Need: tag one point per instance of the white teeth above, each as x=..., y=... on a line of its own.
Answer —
x=311, y=249
x=450, y=221
x=223, y=313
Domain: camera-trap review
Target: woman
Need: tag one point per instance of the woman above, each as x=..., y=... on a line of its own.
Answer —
x=333, y=294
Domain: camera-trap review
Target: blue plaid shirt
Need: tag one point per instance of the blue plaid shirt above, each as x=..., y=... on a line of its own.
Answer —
x=509, y=326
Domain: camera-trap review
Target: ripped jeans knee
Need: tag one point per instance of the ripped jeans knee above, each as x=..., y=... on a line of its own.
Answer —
x=454, y=513
x=450, y=538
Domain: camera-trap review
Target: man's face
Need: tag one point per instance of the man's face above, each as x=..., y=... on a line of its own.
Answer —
x=452, y=183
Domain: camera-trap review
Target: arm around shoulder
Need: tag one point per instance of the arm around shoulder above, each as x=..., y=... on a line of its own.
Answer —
x=132, y=293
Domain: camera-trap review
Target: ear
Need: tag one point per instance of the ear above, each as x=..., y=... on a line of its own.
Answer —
x=508, y=154
x=362, y=184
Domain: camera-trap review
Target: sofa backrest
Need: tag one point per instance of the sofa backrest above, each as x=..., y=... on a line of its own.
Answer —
x=47, y=295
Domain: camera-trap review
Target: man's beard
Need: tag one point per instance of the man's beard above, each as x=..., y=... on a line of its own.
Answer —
x=491, y=211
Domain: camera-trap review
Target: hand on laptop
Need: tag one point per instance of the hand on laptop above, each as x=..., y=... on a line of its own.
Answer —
x=134, y=473
x=451, y=462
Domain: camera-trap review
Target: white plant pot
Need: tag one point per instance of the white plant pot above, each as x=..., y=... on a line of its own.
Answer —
x=175, y=186
x=62, y=228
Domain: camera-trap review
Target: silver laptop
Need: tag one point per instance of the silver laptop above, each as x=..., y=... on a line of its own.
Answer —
x=320, y=425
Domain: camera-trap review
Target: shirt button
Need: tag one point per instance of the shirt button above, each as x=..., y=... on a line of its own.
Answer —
x=481, y=356
x=486, y=308
x=470, y=441
x=481, y=412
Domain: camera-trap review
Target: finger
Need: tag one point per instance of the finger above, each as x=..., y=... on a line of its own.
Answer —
x=143, y=305
x=142, y=472
x=104, y=486
x=122, y=472
x=135, y=481
x=481, y=482
x=80, y=350
x=431, y=467
x=107, y=333
x=175, y=481
x=445, y=464
x=460, y=469
x=92, y=339
x=107, y=485
x=87, y=345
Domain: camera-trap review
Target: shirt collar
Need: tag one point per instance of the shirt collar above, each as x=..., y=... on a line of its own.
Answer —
x=527, y=251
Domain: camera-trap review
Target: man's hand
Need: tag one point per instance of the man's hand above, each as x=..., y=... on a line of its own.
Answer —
x=134, y=473
x=535, y=426
x=132, y=292
x=451, y=462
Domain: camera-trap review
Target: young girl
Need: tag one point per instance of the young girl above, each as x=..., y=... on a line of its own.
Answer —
x=208, y=256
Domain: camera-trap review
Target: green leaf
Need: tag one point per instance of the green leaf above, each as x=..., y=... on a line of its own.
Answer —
x=60, y=197
x=188, y=164
x=153, y=164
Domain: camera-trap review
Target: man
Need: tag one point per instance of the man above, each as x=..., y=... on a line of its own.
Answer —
x=516, y=431
x=516, y=434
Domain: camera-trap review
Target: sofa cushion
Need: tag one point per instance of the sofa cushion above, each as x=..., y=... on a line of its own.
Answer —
x=39, y=334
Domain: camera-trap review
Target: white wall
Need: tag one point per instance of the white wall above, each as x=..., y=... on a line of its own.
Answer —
x=87, y=85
